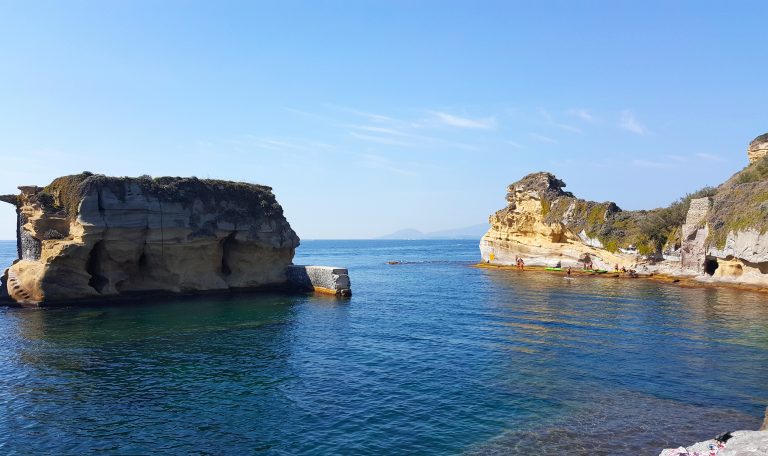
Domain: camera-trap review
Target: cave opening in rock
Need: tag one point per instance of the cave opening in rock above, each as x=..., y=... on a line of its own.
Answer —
x=143, y=261
x=228, y=244
x=710, y=265
x=95, y=266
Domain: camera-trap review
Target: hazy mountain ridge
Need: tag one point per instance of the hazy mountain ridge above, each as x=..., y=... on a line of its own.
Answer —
x=467, y=232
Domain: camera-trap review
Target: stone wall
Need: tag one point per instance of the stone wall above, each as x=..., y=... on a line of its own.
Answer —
x=323, y=279
x=694, y=236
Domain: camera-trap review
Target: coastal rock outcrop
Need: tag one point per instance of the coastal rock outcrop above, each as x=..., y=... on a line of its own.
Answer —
x=545, y=224
x=93, y=236
x=758, y=148
x=715, y=235
x=740, y=443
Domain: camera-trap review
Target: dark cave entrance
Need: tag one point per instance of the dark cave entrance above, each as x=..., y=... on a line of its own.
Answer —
x=228, y=244
x=710, y=265
x=95, y=267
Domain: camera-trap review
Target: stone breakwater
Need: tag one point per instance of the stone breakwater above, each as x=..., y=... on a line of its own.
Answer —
x=717, y=236
x=95, y=237
x=322, y=279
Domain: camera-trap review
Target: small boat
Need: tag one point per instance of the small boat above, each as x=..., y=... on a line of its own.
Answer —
x=553, y=269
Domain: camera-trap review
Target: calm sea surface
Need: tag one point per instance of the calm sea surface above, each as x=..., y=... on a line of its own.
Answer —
x=428, y=357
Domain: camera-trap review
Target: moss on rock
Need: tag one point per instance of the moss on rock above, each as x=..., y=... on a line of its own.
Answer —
x=651, y=231
x=245, y=199
x=740, y=204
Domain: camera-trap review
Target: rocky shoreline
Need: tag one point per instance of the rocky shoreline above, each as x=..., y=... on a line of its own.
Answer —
x=735, y=443
x=717, y=236
x=90, y=237
x=681, y=281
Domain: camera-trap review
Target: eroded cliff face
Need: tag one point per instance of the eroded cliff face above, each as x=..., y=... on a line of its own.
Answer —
x=758, y=148
x=544, y=225
x=721, y=236
x=92, y=236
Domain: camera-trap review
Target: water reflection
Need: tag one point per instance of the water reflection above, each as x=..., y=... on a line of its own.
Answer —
x=128, y=368
x=429, y=357
x=673, y=351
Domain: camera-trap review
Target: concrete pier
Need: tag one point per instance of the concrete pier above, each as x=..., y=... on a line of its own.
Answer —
x=322, y=279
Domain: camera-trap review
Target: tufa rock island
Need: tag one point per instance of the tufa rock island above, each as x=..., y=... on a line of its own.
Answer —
x=91, y=236
x=717, y=235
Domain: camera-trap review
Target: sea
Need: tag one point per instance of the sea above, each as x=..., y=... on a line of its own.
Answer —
x=430, y=356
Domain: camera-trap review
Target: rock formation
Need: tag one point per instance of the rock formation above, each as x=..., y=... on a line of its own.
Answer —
x=92, y=236
x=717, y=235
x=741, y=443
x=322, y=279
x=545, y=225
x=758, y=148
x=695, y=233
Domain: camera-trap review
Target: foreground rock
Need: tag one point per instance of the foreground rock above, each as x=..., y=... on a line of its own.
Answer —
x=92, y=236
x=717, y=235
x=742, y=443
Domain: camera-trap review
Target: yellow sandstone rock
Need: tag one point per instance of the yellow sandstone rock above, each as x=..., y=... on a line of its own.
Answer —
x=92, y=236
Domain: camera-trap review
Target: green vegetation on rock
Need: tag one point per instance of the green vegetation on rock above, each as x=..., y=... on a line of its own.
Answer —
x=759, y=139
x=757, y=171
x=741, y=203
x=650, y=231
x=243, y=199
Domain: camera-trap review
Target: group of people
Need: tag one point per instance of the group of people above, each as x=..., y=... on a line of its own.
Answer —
x=624, y=270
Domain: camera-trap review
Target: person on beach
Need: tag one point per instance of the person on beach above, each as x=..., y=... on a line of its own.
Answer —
x=569, y=271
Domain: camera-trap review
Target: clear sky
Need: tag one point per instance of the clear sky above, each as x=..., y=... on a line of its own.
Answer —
x=367, y=117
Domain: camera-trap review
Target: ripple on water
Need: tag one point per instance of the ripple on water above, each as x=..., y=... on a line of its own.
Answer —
x=429, y=357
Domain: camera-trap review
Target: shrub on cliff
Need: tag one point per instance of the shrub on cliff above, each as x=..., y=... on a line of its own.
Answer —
x=65, y=193
x=757, y=171
x=739, y=203
x=651, y=231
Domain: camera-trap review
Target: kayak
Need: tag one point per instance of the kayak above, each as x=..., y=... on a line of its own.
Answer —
x=553, y=269
x=596, y=271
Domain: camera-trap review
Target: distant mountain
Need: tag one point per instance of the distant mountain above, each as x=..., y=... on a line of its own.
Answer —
x=467, y=232
x=407, y=233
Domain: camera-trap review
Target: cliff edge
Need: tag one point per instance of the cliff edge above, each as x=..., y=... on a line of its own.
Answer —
x=94, y=236
x=716, y=234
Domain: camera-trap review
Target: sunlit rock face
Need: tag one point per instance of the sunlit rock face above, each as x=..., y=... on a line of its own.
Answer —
x=715, y=235
x=543, y=224
x=758, y=148
x=93, y=236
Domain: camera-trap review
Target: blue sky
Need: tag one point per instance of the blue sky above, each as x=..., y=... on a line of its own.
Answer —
x=368, y=117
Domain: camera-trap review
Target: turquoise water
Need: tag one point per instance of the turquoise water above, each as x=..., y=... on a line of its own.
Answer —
x=428, y=357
